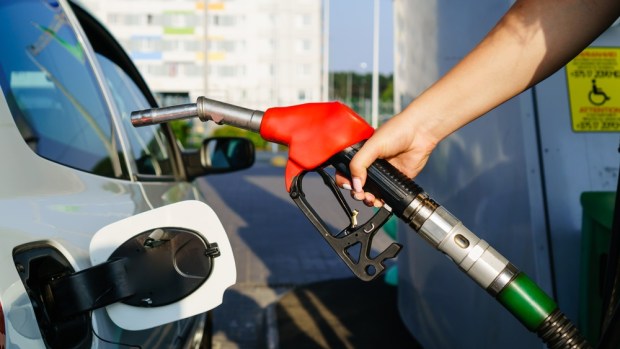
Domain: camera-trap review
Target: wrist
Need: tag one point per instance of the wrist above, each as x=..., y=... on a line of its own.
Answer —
x=429, y=127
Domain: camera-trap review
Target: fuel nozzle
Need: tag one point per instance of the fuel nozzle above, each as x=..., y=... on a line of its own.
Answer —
x=205, y=109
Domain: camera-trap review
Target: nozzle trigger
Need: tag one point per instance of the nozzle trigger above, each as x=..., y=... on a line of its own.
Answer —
x=358, y=260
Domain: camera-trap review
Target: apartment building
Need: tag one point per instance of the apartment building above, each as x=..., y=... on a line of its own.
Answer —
x=255, y=53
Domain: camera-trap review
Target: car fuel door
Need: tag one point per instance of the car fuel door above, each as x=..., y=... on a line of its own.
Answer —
x=156, y=267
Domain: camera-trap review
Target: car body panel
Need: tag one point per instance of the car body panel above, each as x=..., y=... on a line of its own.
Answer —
x=44, y=201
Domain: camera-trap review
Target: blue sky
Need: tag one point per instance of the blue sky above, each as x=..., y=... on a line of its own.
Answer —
x=351, y=25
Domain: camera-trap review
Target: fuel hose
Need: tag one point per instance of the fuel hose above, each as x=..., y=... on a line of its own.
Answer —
x=474, y=256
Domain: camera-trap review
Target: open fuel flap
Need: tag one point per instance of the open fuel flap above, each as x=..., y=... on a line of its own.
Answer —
x=153, y=268
x=179, y=264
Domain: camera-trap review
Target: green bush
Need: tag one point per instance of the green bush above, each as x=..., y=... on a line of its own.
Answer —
x=182, y=130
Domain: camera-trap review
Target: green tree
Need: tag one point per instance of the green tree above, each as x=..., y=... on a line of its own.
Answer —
x=387, y=94
x=358, y=86
x=356, y=89
x=182, y=131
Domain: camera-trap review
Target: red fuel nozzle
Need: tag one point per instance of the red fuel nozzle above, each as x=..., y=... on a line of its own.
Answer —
x=314, y=132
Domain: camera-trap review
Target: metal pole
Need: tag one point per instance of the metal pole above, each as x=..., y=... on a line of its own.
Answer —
x=205, y=60
x=375, y=68
x=325, y=84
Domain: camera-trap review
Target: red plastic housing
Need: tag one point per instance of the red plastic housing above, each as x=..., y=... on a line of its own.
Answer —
x=314, y=132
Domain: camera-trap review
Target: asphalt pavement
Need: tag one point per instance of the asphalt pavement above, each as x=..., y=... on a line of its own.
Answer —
x=276, y=248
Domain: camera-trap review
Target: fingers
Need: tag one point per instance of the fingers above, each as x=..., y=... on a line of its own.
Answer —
x=358, y=188
x=367, y=198
x=371, y=201
x=342, y=181
x=358, y=167
x=360, y=162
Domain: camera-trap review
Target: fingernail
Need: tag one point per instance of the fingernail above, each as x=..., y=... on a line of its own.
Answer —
x=359, y=196
x=357, y=184
x=346, y=186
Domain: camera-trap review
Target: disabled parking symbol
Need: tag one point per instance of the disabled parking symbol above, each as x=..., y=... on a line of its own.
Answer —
x=597, y=96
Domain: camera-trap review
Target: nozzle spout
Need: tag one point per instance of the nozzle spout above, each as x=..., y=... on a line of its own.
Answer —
x=160, y=115
x=205, y=109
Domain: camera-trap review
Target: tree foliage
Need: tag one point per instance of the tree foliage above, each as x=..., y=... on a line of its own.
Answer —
x=351, y=86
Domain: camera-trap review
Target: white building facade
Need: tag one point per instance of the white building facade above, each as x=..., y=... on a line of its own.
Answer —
x=253, y=53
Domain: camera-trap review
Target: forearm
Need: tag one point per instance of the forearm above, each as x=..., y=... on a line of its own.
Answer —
x=534, y=39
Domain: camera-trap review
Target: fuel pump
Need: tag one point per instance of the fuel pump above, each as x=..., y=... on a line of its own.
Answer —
x=323, y=134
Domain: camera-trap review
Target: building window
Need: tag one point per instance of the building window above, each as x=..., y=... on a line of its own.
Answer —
x=145, y=44
x=222, y=20
x=133, y=19
x=303, y=21
x=170, y=45
x=156, y=69
x=227, y=71
x=304, y=69
x=227, y=46
x=172, y=69
x=304, y=45
x=192, y=70
x=192, y=46
x=301, y=95
x=113, y=18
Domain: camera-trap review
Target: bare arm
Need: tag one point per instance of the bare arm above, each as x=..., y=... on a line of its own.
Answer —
x=533, y=39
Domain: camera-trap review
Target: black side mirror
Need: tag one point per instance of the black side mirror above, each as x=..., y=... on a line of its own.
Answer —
x=219, y=155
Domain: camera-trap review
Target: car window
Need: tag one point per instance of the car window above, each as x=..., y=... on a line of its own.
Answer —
x=149, y=146
x=51, y=89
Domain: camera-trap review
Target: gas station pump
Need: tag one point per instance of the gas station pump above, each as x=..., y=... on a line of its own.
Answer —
x=515, y=176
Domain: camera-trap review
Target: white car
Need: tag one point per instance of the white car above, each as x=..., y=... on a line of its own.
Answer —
x=72, y=166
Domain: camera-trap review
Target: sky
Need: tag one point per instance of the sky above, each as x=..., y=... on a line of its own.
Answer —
x=351, y=36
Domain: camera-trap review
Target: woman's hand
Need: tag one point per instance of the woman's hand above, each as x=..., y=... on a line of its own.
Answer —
x=399, y=141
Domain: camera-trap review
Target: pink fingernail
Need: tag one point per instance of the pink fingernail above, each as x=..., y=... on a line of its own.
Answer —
x=357, y=184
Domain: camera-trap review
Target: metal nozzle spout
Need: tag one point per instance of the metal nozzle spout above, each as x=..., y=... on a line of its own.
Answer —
x=165, y=114
x=205, y=109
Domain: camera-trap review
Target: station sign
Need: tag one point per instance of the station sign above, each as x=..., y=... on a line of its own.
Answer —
x=593, y=82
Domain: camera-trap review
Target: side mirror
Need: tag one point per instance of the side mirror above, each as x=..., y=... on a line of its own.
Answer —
x=219, y=155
